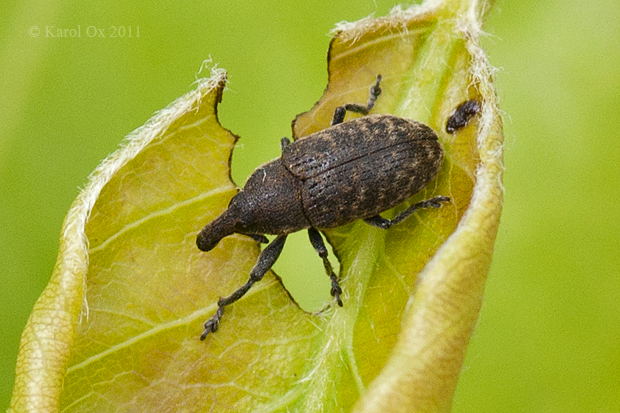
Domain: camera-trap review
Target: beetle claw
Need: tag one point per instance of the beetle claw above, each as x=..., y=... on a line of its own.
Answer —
x=338, y=300
x=213, y=323
x=210, y=327
x=336, y=294
x=336, y=290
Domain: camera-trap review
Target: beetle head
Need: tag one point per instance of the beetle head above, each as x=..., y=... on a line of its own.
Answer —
x=237, y=218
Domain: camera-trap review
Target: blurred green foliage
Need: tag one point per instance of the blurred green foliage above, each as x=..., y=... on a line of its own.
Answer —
x=549, y=334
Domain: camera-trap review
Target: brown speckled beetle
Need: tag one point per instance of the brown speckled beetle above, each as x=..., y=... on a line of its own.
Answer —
x=349, y=171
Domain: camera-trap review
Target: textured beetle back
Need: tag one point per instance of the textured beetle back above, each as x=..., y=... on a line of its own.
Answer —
x=362, y=167
x=349, y=141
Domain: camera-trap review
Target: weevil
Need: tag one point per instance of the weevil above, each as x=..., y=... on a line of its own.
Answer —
x=461, y=116
x=351, y=170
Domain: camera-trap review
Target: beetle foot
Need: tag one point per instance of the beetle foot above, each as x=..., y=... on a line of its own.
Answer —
x=212, y=324
x=336, y=290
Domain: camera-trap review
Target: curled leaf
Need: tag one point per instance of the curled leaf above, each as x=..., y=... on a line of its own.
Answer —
x=117, y=328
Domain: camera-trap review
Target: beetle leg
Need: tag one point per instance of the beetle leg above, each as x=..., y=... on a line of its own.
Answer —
x=284, y=143
x=339, y=114
x=265, y=261
x=383, y=223
x=341, y=111
x=461, y=116
x=259, y=238
x=319, y=246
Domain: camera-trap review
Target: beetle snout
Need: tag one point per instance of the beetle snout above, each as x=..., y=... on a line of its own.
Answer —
x=212, y=233
x=205, y=240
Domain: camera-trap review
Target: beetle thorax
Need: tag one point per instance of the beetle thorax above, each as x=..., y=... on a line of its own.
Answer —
x=270, y=202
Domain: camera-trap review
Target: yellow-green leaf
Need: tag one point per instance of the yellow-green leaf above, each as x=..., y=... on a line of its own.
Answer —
x=117, y=328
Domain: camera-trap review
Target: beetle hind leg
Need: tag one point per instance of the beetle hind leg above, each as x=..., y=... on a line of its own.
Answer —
x=265, y=261
x=341, y=111
x=319, y=247
x=383, y=223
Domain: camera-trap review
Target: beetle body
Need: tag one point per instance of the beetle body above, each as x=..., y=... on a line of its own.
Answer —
x=352, y=170
x=360, y=168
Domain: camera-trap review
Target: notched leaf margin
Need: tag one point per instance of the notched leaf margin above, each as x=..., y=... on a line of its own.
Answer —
x=50, y=331
x=423, y=369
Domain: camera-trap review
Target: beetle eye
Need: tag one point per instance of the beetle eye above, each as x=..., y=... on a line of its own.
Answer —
x=245, y=224
x=238, y=207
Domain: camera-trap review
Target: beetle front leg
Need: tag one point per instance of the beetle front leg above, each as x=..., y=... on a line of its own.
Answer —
x=341, y=111
x=383, y=223
x=319, y=246
x=266, y=259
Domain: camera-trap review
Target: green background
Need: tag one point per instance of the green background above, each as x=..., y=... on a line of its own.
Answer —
x=548, y=339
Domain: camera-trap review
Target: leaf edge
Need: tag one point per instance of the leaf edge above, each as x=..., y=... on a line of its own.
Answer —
x=46, y=341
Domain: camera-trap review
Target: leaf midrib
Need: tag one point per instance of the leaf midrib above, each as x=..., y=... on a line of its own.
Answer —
x=159, y=213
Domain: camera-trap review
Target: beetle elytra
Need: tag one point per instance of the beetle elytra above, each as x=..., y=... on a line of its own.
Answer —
x=352, y=170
